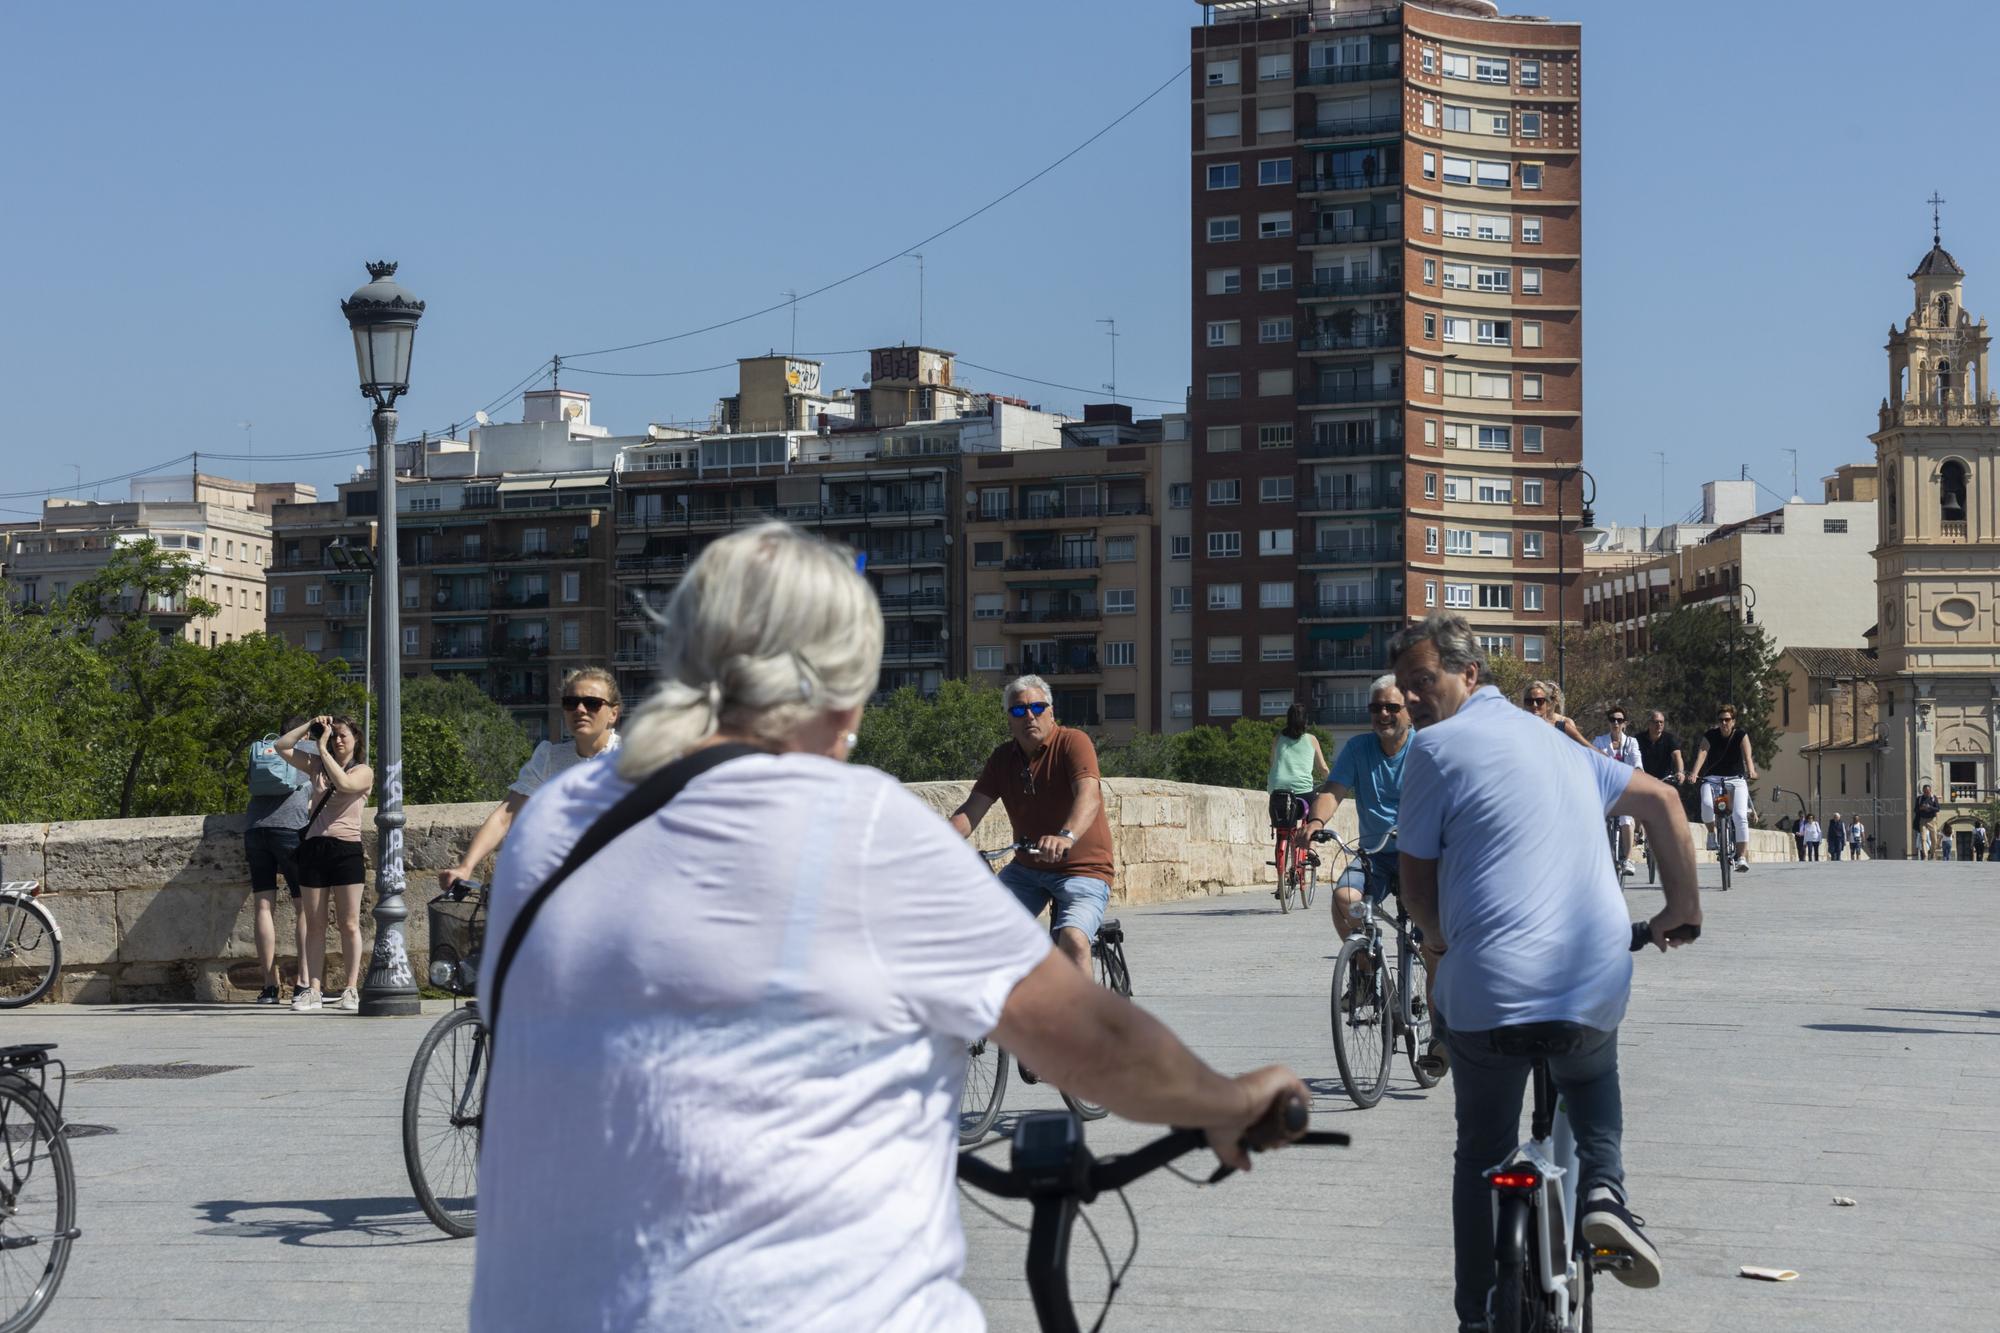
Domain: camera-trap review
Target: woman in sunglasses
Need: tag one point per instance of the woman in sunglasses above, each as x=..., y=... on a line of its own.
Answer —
x=590, y=703
x=1545, y=701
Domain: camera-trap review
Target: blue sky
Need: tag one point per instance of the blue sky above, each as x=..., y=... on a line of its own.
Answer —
x=196, y=186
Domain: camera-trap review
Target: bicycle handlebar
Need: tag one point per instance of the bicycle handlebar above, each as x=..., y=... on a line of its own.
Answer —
x=1642, y=934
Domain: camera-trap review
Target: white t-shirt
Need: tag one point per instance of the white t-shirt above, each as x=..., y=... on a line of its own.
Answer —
x=1535, y=925
x=1626, y=753
x=725, y=1095
x=552, y=759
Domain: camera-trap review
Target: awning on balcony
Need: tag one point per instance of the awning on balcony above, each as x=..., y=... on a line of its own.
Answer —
x=631, y=543
x=518, y=486
x=1337, y=632
x=580, y=483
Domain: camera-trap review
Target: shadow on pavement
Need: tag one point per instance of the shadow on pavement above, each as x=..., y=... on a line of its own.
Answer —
x=335, y=1222
x=1943, y=1013
x=1893, y=1031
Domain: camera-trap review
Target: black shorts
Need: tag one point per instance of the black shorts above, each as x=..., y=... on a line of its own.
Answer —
x=272, y=852
x=326, y=863
x=1288, y=809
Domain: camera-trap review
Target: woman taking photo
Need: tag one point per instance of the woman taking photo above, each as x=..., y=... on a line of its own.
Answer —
x=750, y=1007
x=330, y=852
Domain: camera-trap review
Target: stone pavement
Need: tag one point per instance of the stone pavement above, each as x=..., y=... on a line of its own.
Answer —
x=1810, y=1045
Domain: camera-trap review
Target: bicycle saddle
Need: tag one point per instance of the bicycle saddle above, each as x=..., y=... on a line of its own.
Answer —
x=1539, y=1040
x=1110, y=932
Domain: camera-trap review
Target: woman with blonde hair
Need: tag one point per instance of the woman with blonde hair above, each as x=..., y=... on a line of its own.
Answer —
x=751, y=1002
x=1545, y=700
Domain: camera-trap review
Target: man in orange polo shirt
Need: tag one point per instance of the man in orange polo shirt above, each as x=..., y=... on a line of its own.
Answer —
x=1046, y=778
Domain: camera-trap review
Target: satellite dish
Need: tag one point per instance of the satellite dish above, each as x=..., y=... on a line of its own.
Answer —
x=573, y=411
x=482, y=418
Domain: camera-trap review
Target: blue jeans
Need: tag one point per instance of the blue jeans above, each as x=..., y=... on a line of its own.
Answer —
x=1488, y=1089
x=1079, y=900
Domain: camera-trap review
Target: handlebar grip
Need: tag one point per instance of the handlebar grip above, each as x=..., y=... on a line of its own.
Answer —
x=1286, y=1120
x=1642, y=935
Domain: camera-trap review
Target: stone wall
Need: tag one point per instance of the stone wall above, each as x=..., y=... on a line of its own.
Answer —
x=160, y=909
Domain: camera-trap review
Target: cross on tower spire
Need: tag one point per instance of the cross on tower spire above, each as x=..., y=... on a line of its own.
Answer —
x=1934, y=201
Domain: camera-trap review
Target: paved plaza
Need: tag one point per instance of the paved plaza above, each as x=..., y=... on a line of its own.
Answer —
x=1835, y=1032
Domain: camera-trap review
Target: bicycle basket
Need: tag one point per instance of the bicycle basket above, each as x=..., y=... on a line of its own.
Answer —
x=458, y=929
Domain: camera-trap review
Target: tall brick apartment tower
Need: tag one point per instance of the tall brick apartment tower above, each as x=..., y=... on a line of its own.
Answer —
x=1388, y=380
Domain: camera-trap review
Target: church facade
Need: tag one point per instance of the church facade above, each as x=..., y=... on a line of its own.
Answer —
x=1937, y=561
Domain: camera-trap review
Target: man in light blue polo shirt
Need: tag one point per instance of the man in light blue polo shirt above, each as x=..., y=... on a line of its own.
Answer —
x=1503, y=865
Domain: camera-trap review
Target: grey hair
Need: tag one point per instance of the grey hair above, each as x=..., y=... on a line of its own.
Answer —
x=1385, y=681
x=769, y=629
x=1020, y=685
x=1450, y=634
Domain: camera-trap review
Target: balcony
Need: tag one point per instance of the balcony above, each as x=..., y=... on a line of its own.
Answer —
x=1349, y=342
x=913, y=652
x=1338, y=715
x=896, y=557
x=636, y=657
x=1314, y=131
x=850, y=510
x=1341, y=181
x=1952, y=529
x=524, y=650
x=1053, y=615
x=1335, y=291
x=1073, y=664
x=1358, y=235
x=1350, y=608
x=1388, y=441
x=1323, y=75
x=469, y=650
x=1039, y=510
x=1037, y=561
x=458, y=557
x=463, y=602
x=1339, y=499
x=1334, y=395
x=1355, y=553
x=520, y=601
x=1327, y=657
x=523, y=696
x=927, y=601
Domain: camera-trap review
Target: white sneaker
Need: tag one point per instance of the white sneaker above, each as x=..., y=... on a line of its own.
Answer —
x=1627, y=868
x=1742, y=866
x=306, y=1001
x=350, y=1001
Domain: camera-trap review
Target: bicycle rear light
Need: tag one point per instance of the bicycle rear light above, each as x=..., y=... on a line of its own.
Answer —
x=1517, y=1179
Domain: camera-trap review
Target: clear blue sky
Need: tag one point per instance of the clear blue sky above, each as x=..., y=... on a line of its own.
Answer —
x=196, y=186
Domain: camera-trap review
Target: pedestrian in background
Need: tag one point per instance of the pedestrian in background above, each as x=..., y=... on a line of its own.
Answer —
x=330, y=859
x=1814, y=836
x=1857, y=837
x=1836, y=837
x=1799, y=838
x=1979, y=841
x=280, y=803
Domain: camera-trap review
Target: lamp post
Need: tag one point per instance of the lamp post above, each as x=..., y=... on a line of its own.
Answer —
x=359, y=562
x=1749, y=614
x=383, y=317
x=1587, y=531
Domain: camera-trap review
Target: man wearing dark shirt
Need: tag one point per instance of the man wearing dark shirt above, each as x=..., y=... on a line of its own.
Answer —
x=1725, y=761
x=1660, y=751
x=1924, y=843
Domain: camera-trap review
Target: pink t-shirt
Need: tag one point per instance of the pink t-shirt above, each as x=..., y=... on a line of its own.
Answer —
x=340, y=817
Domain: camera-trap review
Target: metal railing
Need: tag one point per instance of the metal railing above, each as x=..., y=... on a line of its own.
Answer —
x=1382, y=442
x=1328, y=394
x=912, y=650
x=1350, y=235
x=1056, y=666
x=925, y=600
x=1333, y=291
x=1037, y=560
x=1349, y=342
x=917, y=555
x=1358, y=553
x=1034, y=510
x=1360, y=497
x=1350, y=180
x=1348, y=127
x=1052, y=615
x=521, y=601
x=1321, y=75
x=1337, y=715
x=653, y=564
x=1349, y=608
x=461, y=651
x=1369, y=658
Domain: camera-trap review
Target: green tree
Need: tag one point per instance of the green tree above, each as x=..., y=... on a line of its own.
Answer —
x=260, y=684
x=1700, y=660
x=1147, y=754
x=436, y=766
x=56, y=707
x=1597, y=677
x=945, y=739
x=492, y=743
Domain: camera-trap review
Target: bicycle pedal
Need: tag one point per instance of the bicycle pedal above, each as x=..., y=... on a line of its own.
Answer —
x=1604, y=1259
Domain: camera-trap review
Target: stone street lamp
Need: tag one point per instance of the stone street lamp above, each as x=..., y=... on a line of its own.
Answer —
x=384, y=319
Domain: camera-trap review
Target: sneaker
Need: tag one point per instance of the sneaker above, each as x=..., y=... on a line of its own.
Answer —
x=305, y=1001
x=1609, y=1225
x=1627, y=868
x=269, y=995
x=350, y=1001
x=1434, y=1062
x=1027, y=1075
x=1742, y=866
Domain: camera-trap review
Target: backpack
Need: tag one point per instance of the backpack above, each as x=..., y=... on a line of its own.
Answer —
x=270, y=774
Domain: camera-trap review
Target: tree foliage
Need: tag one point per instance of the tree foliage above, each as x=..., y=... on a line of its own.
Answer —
x=1701, y=660
x=945, y=739
x=490, y=743
x=436, y=765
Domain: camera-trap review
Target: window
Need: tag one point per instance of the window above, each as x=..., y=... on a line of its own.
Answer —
x=1183, y=704
x=1457, y=223
x=278, y=599
x=1477, y=384
x=1225, y=439
x=1458, y=171
x=1491, y=279
x=572, y=586
x=1457, y=67
x=1274, y=383
x=1531, y=231
x=1274, y=647
x=1531, y=282
x=1495, y=491
x=1531, y=175
x=1180, y=547
x=1496, y=332
x=572, y=636
x=1430, y=485
x=989, y=605
x=1181, y=653
x=1531, y=439
x=1430, y=541
x=1430, y=272
x=1278, y=436
x=260, y=601
x=1225, y=281
x=1225, y=545
x=1457, y=488
x=1224, y=73
x=1531, y=491
x=1490, y=69
x=1428, y=60
x=1458, y=276
x=1430, y=431
x=987, y=555
x=1531, y=73
x=1274, y=119
x=1531, y=333
x=1531, y=597
x=1531, y=124
x=1226, y=490
x=1531, y=647
x=1833, y=525
x=313, y=594
x=1274, y=277
x=1430, y=114
x=1495, y=175
x=1492, y=227
x=1430, y=592
x=1430, y=218
x=1225, y=124
x=1180, y=598
x=1120, y=602
x=1271, y=226
x=1430, y=166
x=1531, y=549
x=1277, y=490
x=1495, y=545
x=1531, y=387
x=1496, y=597
x=1457, y=330
x=1224, y=332
x=1497, y=123
x=1180, y=495
x=986, y=657
x=1121, y=707
x=313, y=640
x=229, y=550
x=1224, y=387
x=1275, y=541
x=1430, y=379
x=1225, y=648
x=535, y=541
x=1274, y=171
x=1457, y=118
x=1277, y=330
x=1495, y=645
x=1119, y=654
x=1458, y=594
x=1458, y=541
x=1225, y=703
x=1430, y=326
x=1225, y=229
x=1273, y=703
x=1224, y=175
x=1225, y=596
x=1277, y=65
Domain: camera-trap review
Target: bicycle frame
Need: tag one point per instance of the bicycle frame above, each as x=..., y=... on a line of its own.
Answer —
x=1549, y=1158
x=16, y=916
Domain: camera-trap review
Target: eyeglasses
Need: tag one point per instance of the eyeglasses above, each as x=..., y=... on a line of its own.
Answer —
x=1028, y=781
x=1727, y=717
x=1619, y=720
x=1387, y=710
x=572, y=702
x=1022, y=710
x=1537, y=701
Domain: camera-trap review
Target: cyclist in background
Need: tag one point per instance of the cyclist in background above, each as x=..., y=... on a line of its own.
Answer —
x=1544, y=700
x=1620, y=745
x=1725, y=760
x=1297, y=765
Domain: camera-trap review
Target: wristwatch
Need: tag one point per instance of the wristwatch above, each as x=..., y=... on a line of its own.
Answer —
x=1065, y=833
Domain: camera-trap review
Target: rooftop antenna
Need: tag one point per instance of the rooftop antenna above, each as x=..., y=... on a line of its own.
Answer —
x=250, y=443
x=1795, y=472
x=795, y=320
x=1936, y=201
x=1112, y=333
x=918, y=256
x=555, y=381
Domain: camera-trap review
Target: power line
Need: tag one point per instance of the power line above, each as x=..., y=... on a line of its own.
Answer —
x=906, y=250
x=704, y=370
x=102, y=481
x=1073, y=388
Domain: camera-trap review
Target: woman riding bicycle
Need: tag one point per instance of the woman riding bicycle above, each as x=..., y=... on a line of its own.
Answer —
x=1298, y=766
x=726, y=1077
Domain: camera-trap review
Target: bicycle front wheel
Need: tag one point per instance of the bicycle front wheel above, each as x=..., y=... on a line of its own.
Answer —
x=1308, y=881
x=1108, y=961
x=985, y=1088
x=38, y=1223
x=1361, y=1017
x=30, y=952
x=443, y=1106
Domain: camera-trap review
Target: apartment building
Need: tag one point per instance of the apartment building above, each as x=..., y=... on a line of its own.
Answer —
x=1387, y=336
x=222, y=526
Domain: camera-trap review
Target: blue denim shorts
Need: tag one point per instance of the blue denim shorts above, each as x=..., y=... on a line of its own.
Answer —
x=1079, y=900
x=1375, y=885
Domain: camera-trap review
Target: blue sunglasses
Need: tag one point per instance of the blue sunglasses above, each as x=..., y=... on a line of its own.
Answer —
x=1022, y=710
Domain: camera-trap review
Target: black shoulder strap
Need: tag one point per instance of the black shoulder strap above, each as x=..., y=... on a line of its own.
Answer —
x=637, y=805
